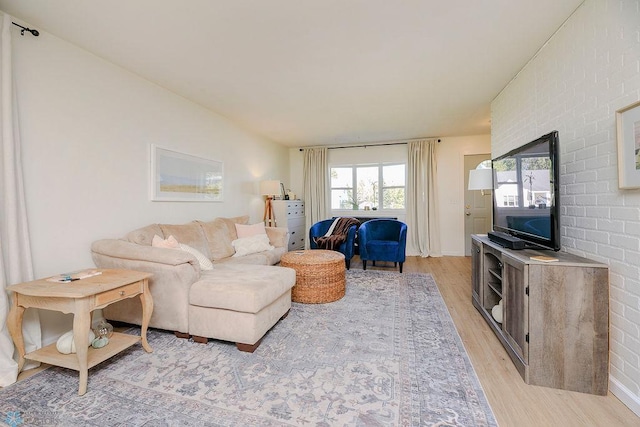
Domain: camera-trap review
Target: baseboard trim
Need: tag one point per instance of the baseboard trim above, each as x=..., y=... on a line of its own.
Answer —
x=450, y=253
x=625, y=395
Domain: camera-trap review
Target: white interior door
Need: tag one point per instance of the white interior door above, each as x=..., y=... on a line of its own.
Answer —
x=477, y=208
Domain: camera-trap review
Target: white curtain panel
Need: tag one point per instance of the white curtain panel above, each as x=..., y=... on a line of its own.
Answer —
x=423, y=222
x=15, y=254
x=316, y=181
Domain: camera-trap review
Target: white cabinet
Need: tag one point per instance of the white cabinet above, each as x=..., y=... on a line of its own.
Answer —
x=290, y=214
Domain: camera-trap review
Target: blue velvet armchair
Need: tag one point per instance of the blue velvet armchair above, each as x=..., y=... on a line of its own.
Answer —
x=319, y=229
x=382, y=240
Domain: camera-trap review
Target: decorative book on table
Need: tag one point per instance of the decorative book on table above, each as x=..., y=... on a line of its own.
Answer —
x=74, y=275
x=543, y=258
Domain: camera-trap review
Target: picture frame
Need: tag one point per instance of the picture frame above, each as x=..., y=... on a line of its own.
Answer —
x=628, y=139
x=182, y=177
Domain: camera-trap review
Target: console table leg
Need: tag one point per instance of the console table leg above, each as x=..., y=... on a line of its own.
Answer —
x=81, y=326
x=147, y=308
x=14, y=324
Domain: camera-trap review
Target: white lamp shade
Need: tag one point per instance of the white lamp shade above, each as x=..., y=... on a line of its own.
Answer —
x=269, y=188
x=480, y=179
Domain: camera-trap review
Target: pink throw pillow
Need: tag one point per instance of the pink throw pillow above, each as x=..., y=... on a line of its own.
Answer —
x=250, y=230
x=169, y=243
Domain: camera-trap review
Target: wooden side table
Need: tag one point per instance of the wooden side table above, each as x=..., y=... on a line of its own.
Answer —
x=80, y=297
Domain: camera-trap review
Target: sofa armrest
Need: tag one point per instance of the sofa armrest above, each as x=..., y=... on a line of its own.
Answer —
x=125, y=250
x=173, y=274
x=278, y=236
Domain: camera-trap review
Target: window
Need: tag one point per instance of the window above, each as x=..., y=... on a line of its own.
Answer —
x=510, y=200
x=524, y=181
x=358, y=187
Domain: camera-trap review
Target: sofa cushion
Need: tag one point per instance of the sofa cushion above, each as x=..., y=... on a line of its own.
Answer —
x=278, y=236
x=189, y=234
x=144, y=236
x=219, y=234
x=271, y=257
x=241, y=287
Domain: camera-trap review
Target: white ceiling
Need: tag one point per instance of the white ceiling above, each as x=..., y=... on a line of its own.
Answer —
x=317, y=72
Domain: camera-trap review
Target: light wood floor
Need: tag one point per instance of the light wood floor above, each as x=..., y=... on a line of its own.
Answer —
x=514, y=403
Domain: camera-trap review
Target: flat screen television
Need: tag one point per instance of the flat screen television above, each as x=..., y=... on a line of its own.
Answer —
x=526, y=194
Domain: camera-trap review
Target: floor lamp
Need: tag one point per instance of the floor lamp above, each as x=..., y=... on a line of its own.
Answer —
x=269, y=189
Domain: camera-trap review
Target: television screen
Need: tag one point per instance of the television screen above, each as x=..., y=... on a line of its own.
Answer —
x=526, y=194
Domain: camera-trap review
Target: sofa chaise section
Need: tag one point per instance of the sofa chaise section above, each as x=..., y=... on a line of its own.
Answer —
x=239, y=303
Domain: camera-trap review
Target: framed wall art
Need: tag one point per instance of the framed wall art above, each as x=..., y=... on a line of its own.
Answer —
x=181, y=177
x=628, y=136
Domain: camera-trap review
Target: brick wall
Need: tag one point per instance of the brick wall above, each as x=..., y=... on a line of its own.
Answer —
x=589, y=69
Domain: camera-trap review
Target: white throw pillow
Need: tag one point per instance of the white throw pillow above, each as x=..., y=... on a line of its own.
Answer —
x=251, y=245
x=205, y=263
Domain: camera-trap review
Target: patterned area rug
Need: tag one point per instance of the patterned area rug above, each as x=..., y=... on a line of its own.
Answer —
x=387, y=354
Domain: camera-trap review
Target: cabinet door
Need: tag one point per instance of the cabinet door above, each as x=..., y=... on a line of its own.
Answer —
x=476, y=271
x=516, y=306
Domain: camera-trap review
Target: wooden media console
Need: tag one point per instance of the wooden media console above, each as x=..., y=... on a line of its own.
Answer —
x=555, y=315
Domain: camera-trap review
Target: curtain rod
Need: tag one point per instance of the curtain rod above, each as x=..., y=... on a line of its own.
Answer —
x=34, y=32
x=372, y=145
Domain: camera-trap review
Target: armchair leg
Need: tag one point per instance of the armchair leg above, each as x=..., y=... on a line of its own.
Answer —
x=400, y=267
x=347, y=263
x=374, y=263
x=364, y=264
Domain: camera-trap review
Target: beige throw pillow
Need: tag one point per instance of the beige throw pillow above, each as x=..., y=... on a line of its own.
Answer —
x=243, y=230
x=168, y=243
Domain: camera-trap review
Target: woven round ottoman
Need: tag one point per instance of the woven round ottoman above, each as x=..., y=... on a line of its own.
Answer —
x=320, y=275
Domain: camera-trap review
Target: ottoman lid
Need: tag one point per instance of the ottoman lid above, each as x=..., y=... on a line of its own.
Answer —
x=243, y=288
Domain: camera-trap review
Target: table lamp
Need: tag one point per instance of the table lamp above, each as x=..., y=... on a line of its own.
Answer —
x=480, y=179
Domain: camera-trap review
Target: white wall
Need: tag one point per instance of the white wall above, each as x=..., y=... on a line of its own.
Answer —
x=86, y=128
x=450, y=156
x=586, y=72
x=451, y=191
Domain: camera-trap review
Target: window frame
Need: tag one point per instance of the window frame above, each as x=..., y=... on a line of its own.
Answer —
x=380, y=187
